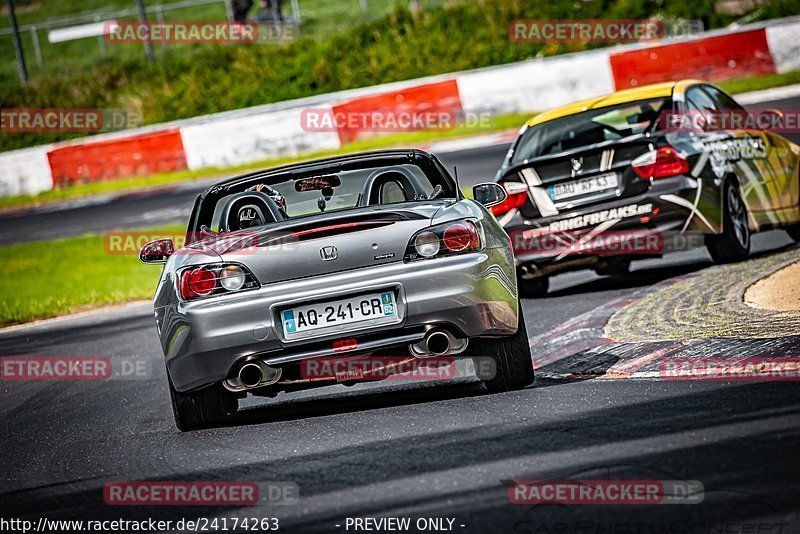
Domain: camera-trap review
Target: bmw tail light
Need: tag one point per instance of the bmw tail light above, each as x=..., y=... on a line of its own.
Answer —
x=212, y=280
x=517, y=196
x=443, y=240
x=661, y=163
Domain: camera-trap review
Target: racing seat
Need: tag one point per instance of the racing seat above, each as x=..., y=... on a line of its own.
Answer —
x=248, y=209
x=390, y=187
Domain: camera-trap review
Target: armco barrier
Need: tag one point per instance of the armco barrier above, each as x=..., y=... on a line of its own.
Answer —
x=430, y=97
x=139, y=155
x=238, y=140
x=275, y=130
x=25, y=172
x=715, y=58
x=536, y=85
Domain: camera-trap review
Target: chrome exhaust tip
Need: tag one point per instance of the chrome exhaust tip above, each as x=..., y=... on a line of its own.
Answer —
x=257, y=374
x=437, y=343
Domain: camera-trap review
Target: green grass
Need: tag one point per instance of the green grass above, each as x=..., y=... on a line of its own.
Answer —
x=50, y=278
x=129, y=184
x=320, y=18
x=756, y=83
x=388, y=44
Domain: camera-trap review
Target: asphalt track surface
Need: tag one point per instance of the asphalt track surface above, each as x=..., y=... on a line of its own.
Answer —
x=411, y=450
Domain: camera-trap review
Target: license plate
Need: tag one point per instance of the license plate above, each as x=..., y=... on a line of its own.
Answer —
x=353, y=312
x=583, y=186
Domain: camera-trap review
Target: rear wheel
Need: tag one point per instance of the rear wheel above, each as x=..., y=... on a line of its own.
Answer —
x=532, y=288
x=198, y=409
x=733, y=244
x=514, y=364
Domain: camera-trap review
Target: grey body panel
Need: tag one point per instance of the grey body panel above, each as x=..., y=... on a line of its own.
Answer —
x=204, y=341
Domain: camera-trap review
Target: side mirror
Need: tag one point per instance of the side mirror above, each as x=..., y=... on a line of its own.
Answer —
x=157, y=251
x=775, y=117
x=489, y=194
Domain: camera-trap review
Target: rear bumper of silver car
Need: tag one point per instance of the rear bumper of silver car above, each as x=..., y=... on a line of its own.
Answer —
x=472, y=294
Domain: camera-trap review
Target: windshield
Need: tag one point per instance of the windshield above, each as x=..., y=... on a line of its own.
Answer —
x=588, y=128
x=285, y=196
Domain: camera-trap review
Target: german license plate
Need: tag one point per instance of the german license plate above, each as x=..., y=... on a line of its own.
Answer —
x=350, y=313
x=583, y=186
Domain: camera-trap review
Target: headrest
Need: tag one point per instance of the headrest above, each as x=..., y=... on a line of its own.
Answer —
x=244, y=210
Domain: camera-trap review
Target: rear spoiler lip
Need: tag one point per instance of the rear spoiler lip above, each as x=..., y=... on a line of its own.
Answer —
x=575, y=151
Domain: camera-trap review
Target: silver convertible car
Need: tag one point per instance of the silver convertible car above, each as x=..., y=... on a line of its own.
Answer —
x=375, y=256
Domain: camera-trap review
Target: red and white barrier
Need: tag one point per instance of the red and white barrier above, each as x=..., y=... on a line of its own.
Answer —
x=276, y=130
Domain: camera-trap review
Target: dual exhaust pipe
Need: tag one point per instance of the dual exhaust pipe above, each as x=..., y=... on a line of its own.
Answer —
x=437, y=342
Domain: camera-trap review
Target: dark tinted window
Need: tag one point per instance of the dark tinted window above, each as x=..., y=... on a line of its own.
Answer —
x=723, y=100
x=588, y=128
x=700, y=100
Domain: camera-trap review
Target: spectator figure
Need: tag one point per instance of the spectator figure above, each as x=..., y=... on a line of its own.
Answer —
x=240, y=10
x=271, y=11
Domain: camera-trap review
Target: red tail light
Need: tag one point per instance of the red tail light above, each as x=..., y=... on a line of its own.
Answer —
x=214, y=280
x=197, y=282
x=458, y=237
x=661, y=163
x=517, y=196
x=444, y=240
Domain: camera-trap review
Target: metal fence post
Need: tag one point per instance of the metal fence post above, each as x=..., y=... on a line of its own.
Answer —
x=296, y=10
x=148, y=44
x=160, y=19
x=12, y=17
x=37, y=49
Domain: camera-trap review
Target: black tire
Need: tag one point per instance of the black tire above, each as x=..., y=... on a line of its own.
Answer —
x=512, y=355
x=533, y=288
x=198, y=409
x=733, y=244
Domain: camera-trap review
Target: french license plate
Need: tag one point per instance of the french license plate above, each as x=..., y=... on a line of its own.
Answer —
x=376, y=308
x=583, y=186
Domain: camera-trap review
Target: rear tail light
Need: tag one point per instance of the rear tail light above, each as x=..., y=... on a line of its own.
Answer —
x=517, y=196
x=458, y=236
x=427, y=244
x=444, y=240
x=661, y=163
x=211, y=280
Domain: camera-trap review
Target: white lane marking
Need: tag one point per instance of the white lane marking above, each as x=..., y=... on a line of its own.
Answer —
x=767, y=95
